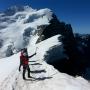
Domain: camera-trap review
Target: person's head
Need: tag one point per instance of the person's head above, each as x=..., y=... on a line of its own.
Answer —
x=24, y=51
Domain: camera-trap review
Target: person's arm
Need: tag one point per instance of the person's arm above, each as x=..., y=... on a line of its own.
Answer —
x=20, y=64
x=20, y=67
x=32, y=55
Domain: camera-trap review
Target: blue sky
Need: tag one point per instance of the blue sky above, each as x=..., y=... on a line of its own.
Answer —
x=75, y=12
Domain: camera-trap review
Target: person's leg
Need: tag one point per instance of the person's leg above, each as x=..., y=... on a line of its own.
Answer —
x=28, y=71
x=24, y=71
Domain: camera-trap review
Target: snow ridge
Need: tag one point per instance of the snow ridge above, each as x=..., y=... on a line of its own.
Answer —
x=44, y=76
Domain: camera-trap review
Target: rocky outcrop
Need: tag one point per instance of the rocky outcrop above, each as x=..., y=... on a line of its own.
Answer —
x=76, y=47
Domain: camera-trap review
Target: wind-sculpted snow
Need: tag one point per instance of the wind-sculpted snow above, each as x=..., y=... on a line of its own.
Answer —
x=44, y=76
x=14, y=28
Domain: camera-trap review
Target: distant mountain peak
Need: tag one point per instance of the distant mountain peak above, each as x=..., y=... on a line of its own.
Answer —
x=22, y=21
x=13, y=9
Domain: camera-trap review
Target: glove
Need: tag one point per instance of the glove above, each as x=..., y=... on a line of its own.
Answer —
x=19, y=70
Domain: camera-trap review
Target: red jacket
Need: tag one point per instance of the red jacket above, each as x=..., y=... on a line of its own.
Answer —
x=24, y=59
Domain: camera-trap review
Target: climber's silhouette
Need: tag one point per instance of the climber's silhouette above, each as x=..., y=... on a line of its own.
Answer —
x=24, y=59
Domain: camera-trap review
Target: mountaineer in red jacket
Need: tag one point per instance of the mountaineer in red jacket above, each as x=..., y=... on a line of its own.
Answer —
x=24, y=59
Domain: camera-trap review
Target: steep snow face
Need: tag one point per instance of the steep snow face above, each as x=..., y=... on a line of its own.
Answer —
x=45, y=77
x=18, y=26
x=46, y=46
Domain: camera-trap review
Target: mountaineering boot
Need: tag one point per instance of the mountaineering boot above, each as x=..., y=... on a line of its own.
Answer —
x=24, y=78
x=29, y=76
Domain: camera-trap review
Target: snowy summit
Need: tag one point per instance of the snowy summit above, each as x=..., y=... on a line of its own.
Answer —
x=22, y=27
x=17, y=25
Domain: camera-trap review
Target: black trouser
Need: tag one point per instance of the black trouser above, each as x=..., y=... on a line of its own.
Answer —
x=26, y=67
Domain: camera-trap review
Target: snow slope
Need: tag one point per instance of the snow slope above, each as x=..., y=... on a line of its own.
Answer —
x=45, y=77
x=17, y=29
